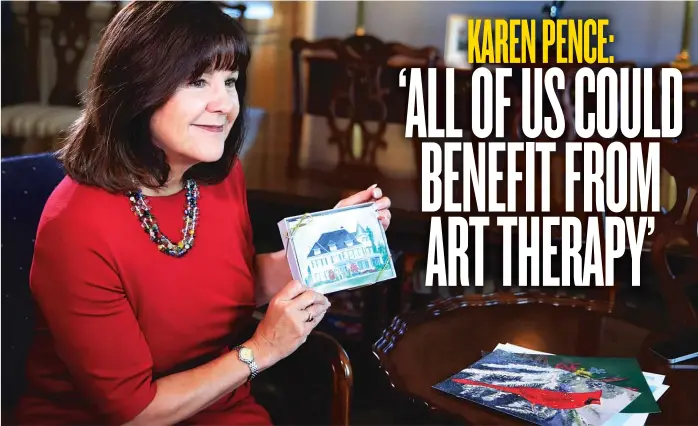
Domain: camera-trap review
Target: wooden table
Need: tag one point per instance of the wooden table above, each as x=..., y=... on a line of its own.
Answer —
x=423, y=348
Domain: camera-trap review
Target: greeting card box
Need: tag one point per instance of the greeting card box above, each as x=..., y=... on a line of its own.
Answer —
x=337, y=249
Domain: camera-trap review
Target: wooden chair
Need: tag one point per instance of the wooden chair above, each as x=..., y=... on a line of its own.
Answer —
x=676, y=234
x=353, y=84
x=69, y=27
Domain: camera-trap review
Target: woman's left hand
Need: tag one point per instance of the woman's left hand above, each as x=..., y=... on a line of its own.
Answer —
x=372, y=193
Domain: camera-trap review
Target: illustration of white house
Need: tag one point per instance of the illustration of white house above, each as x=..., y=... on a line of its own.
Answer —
x=340, y=254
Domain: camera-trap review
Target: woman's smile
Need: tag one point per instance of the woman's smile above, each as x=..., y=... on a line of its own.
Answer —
x=210, y=128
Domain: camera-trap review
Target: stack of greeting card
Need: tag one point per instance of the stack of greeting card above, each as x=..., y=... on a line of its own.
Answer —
x=338, y=249
x=549, y=389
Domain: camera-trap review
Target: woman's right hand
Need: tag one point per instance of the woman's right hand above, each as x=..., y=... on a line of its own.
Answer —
x=292, y=314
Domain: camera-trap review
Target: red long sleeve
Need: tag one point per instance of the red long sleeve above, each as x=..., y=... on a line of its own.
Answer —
x=115, y=313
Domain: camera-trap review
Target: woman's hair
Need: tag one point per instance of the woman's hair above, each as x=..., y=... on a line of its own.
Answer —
x=146, y=52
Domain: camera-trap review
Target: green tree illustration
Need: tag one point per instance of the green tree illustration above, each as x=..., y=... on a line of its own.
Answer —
x=382, y=250
x=371, y=239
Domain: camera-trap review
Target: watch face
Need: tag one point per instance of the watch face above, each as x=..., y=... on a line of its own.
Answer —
x=246, y=354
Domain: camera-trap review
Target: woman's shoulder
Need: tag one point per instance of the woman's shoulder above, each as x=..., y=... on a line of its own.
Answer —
x=237, y=174
x=76, y=208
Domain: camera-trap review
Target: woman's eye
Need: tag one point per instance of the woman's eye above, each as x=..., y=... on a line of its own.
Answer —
x=198, y=83
x=231, y=82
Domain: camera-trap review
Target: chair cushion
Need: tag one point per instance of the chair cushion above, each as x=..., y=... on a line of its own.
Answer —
x=37, y=120
x=40, y=121
x=27, y=181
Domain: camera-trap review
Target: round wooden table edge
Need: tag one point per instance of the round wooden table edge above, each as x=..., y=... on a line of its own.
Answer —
x=402, y=322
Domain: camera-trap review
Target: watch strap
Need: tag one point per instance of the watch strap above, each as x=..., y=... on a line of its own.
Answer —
x=254, y=370
x=252, y=365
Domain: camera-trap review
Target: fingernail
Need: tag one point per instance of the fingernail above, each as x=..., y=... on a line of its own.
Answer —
x=377, y=193
x=373, y=186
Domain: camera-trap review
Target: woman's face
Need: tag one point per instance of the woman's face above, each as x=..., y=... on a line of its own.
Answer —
x=193, y=125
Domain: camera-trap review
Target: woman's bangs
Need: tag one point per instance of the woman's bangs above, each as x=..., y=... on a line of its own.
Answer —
x=225, y=54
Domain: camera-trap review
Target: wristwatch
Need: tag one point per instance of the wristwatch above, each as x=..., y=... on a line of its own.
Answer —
x=247, y=356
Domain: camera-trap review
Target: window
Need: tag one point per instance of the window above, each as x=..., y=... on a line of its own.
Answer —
x=316, y=251
x=255, y=9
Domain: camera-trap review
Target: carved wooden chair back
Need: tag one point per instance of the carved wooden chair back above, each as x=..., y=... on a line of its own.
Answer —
x=55, y=40
x=353, y=84
x=70, y=31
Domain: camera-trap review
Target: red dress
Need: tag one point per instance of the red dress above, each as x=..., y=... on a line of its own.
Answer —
x=114, y=313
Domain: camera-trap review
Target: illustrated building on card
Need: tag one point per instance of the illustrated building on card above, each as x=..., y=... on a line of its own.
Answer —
x=340, y=254
x=337, y=249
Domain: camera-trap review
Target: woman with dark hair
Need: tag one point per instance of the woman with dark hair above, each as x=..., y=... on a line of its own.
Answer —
x=134, y=327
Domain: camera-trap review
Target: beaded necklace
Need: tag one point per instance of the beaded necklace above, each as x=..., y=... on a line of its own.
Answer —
x=139, y=206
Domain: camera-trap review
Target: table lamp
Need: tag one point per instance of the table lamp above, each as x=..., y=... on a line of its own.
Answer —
x=357, y=141
x=683, y=60
x=360, y=11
